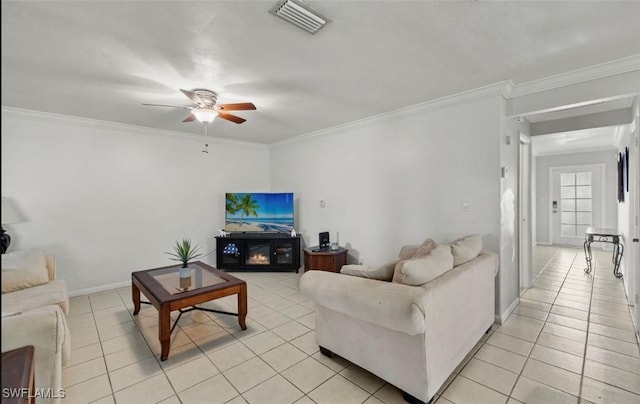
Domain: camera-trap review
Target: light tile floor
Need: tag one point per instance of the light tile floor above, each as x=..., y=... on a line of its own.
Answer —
x=569, y=340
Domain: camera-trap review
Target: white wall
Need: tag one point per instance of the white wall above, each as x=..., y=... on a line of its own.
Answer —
x=398, y=179
x=626, y=212
x=109, y=199
x=543, y=163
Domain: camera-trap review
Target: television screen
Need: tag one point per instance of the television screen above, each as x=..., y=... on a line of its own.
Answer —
x=258, y=212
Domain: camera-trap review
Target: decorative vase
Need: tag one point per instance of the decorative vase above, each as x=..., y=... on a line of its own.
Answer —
x=185, y=272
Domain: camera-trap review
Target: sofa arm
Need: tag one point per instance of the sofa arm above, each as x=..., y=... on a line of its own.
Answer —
x=391, y=305
x=51, y=266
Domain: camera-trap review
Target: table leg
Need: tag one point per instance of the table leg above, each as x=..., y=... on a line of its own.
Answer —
x=164, y=331
x=587, y=255
x=242, y=306
x=618, y=250
x=135, y=295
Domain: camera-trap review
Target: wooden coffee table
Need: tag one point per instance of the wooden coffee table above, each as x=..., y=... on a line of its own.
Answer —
x=168, y=292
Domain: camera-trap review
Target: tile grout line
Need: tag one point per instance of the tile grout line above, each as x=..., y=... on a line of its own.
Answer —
x=586, y=341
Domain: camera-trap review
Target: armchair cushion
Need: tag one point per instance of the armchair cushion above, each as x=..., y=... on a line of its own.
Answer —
x=23, y=269
x=418, y=271
x=383, y=273
x=466, y=248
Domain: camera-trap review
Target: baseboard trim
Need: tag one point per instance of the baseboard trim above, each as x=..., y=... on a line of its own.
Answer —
x=543, y=243
x=97, y=289
x=501, y=319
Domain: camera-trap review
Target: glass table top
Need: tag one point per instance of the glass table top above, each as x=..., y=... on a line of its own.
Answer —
x=199, y=277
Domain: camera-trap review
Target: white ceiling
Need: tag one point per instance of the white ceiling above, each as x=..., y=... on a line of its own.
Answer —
x=587, y=140
x=103, y=59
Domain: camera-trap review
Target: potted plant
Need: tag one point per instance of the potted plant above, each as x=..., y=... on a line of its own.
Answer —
x=184, y=251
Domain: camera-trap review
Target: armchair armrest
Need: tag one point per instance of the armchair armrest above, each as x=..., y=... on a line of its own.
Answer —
x=391, y=305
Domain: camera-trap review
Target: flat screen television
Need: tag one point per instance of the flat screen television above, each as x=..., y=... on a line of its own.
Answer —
x=259, y=212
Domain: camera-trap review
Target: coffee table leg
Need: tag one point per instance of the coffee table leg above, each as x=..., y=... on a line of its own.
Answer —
x=135, y=295
x=164, y=331
x=242, y=306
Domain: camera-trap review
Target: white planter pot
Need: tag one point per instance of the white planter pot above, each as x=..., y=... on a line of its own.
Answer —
x=185, y=272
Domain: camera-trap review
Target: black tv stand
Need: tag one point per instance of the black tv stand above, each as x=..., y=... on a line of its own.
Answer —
x=258, y=252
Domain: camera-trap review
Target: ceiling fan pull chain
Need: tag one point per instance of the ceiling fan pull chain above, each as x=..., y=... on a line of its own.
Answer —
x=206, y=145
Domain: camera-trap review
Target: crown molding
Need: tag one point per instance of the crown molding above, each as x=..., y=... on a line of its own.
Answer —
x=492, y=90
x=606, y=69
x=114, y=126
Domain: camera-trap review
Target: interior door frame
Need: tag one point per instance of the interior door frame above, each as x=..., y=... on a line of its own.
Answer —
x=525, y=207
x=603, y=201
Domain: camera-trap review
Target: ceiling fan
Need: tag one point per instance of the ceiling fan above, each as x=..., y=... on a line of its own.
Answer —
x=206, y=109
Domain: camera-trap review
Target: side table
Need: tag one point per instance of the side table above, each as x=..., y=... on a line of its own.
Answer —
x=18, y=380
x=325, y=260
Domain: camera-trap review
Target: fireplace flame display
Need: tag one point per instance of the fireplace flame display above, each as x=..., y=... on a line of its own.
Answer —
x=258, y=259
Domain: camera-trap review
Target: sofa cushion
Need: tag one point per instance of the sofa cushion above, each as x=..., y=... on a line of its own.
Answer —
x=23, y=269
x=383, y=273
x=466, y=248
x=418, y=271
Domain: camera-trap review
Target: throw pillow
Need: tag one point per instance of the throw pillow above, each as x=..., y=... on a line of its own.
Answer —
x=23, y=269
x=418, y=271
x=466, y=248
x=414, y=250
x=425, y=249
x=384, y=273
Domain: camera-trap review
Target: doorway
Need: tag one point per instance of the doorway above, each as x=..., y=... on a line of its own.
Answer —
x=577, y=202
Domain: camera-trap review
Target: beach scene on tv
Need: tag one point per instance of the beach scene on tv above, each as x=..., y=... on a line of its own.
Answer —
x=259, y=212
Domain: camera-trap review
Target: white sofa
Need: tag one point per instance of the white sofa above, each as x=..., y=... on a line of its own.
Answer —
x=34, y=309
x=413, y=337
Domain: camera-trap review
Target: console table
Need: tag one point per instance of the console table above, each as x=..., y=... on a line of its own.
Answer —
x=325, y=260
x=611, y=236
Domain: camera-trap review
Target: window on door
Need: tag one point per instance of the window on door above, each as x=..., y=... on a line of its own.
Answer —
x=575, y=203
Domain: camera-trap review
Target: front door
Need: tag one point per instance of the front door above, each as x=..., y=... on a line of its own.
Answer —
x=577, y=202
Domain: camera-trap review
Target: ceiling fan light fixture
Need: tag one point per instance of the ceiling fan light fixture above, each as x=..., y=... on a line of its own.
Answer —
x=300, y=15
x=205, y=115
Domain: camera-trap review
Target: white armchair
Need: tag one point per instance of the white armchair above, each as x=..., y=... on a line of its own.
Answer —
x=34, y=308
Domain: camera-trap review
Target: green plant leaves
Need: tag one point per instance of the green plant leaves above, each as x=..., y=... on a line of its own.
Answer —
x=184, y=251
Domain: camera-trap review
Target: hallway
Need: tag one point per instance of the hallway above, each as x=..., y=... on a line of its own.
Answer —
x=570, y=337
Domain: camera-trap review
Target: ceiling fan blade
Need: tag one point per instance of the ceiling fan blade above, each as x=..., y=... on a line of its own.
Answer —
x=189, y=118
x=193, y=97
x=236, y=107
x=230, y=117
x=163, y=105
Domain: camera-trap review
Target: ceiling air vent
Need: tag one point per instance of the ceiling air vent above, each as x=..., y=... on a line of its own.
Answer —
x=300, y=15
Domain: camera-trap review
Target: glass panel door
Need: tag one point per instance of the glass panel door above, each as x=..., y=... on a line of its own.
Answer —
x=577, y=202
x=283, y=252
x=230, y=252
